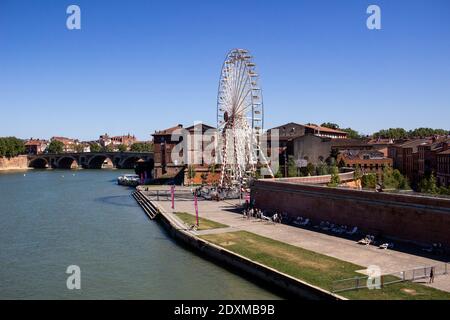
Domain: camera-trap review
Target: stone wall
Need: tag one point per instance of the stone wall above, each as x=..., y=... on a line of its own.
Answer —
x=417, y=219
x=15, y=163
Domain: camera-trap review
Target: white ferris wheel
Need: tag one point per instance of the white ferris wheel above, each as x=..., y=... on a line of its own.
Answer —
x=240, y=118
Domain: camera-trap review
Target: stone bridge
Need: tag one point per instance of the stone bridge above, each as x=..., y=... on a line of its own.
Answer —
x=89, y=160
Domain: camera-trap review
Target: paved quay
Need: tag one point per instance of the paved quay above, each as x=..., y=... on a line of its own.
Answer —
x=389, y=261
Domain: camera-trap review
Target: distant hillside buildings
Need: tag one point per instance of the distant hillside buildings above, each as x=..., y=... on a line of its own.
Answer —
x=127, y=140
x=70, y=145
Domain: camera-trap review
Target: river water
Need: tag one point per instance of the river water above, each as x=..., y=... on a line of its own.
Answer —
x=50, y=220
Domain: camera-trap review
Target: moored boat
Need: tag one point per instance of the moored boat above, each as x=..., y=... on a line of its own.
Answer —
x=131, y=180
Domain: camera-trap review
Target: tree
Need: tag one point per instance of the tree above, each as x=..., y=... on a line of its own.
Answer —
x=400, y=133
x=11, y=147
x=55, y=146
x=142, y=147
x=352, y=134
x=357, y=174
x=393, y=179
x=427, y=132
x=429, y=185
x=78, y=147
x=389, y=181
x=335, y=180
x=330, y=125
x=391, y=133
x=369, y=181
x=444, y=191
x=403, y=183
x=322, y=169
x=95, y=147
x=122, y=148
x=108, y=148
x=292, y=167
x=432, y=185
x=279, y=174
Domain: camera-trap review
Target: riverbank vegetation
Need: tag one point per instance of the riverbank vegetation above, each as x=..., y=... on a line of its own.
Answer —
x=204, y=224
x=315, y=268
x=11, y=147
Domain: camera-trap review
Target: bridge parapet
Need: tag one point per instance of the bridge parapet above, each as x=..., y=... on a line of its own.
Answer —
x=88, y=160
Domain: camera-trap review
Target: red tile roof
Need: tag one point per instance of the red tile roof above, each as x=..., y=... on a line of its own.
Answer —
x=324, y=129
x=168, y=131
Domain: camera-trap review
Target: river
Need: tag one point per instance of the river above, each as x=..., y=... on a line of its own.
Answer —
x=52, y=219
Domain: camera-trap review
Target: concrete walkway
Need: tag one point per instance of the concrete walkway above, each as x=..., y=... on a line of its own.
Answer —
x=389, y=261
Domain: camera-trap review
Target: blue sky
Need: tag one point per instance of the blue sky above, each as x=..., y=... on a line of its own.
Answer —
x=137, y=66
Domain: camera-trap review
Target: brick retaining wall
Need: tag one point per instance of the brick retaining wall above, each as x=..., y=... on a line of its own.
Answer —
x=418, y=219
x=15, y=163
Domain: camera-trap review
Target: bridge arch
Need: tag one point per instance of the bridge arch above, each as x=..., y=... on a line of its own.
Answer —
x=130, y=162
x=67, y=162
x=100, y=162
x=39, y=163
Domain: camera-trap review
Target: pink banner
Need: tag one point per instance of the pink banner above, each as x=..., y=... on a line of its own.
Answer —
x=172, y=193
x=196, y=208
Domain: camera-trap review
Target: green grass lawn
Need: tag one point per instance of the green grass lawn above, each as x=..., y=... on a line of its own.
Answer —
x=205, y=224
x=315, y=268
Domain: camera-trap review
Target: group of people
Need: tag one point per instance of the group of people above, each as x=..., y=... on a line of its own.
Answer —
x=251, y=212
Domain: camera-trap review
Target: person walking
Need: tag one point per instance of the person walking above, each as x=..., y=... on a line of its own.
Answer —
x=432, y=275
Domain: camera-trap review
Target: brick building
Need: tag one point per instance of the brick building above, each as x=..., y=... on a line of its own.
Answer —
x=443, y=166
x=35, y=146
x=427, y=158
x=316, y=150
x=418, y=158
x=162, y=148
x=170, y=165
x=298, y=140
x=369, y=161
x=405, y=157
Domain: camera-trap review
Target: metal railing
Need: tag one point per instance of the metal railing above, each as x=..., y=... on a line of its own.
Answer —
x=391, y=278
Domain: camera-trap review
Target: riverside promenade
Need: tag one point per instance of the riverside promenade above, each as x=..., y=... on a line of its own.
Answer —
x=224, y=212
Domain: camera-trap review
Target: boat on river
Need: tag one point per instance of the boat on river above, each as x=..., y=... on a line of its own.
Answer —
x=130, y=180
